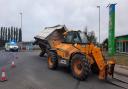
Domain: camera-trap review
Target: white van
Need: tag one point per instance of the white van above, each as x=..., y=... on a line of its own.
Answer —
x=11, y=46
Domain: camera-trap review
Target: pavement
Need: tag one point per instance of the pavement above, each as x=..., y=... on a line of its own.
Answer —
x=31, y=72
x=122, y=70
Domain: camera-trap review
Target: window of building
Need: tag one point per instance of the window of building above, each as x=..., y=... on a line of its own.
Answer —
x=120, y=47
x=127, y=46
x=124, y=46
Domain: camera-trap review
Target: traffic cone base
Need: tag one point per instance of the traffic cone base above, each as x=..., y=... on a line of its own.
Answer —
x=3, y=77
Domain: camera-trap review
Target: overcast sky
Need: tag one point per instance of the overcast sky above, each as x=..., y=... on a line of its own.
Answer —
x=75, y=14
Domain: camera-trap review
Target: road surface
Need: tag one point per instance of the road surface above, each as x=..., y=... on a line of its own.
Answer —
x=31, y=72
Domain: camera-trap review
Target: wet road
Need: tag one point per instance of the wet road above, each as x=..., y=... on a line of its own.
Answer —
x=31, y=72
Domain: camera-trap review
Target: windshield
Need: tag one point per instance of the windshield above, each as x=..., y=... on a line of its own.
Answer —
x=12, y=44
x=83, y=37
x=76, y=37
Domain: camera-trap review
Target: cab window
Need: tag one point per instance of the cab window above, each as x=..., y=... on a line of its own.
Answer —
x=68, y=38
x=76, y=38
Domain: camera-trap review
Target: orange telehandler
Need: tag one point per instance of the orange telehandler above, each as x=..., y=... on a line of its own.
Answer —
x=72, y=48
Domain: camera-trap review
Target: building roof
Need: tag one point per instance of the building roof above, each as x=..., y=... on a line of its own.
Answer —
x=48, y=30
x=115, y=37
x=122, y=36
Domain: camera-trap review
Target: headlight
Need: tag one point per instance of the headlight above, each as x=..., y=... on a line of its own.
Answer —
x=11, y=46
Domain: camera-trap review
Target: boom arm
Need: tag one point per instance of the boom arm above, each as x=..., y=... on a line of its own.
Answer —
x=100, y=61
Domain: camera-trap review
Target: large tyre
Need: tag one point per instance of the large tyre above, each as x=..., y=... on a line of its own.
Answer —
x=52, y=60
x=80, y=67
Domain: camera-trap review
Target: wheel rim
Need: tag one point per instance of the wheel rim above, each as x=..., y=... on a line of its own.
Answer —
x=77, y=67
x=50, y=61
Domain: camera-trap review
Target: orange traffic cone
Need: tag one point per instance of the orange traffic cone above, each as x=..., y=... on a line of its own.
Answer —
x=3, y=77
x=13, y=64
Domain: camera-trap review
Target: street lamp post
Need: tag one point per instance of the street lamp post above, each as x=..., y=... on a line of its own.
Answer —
x=20, y=31
x=99, y=22
x=21, y=19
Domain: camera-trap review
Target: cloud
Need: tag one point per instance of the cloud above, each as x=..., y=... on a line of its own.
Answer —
x=76, y=14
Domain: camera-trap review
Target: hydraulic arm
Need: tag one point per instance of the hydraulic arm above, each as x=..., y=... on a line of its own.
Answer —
x=106, y=67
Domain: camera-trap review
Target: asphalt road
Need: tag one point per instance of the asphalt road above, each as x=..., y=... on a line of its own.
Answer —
x=31, y=72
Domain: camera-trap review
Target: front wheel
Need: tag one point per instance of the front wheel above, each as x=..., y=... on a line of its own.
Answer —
x=80, y=67
x=52, y=60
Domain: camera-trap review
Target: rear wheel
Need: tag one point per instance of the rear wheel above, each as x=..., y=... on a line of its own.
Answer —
x=80, y=67
x=52, y=60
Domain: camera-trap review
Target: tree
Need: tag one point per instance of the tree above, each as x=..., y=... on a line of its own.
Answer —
x=9, y=34
x=20, y=35
x=0, y=33
x=86, y=30
x=91, y=37
x=1, y=36
x=4, y=34
x=16, y=34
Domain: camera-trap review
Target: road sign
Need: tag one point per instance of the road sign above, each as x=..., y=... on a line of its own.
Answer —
x=111, y=36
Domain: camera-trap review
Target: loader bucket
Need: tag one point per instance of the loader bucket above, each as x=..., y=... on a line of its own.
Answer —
x=110, y=67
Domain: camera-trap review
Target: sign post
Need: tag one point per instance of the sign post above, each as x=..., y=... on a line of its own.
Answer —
x=111, y=36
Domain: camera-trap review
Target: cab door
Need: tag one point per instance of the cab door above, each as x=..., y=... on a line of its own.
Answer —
x=67, y=47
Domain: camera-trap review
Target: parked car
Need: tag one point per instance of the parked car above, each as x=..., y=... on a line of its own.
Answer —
x=11, y=46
